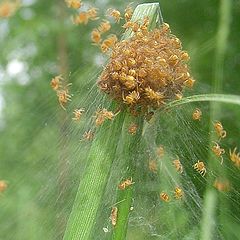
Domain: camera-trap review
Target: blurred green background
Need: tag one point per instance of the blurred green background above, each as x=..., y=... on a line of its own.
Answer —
x=39, y=154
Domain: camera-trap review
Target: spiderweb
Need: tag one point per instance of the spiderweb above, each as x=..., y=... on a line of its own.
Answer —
x=42, y=188
x=44, y=200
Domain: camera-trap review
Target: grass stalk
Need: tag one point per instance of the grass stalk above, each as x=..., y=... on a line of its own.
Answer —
x=221, y=98
x=131, y=143
x=92, y=185
x=124, y=197
x=211, y=201
x=208, y=220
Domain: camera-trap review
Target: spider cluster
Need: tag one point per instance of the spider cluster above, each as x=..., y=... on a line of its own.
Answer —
x=146, y=70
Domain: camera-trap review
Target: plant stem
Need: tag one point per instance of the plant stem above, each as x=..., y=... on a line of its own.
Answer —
x=224, y=98
x=210, y=199
x=131, y=143
x=91, y=188
x=124, y=197
x=208, y=215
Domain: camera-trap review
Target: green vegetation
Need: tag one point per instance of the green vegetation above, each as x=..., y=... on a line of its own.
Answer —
x=61, y=186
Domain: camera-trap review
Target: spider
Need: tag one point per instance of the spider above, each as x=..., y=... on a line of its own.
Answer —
x=152, y=165
x=189, y=83
x=133, y=128
x=3, y=186
x=131, y=98
x=8, y=8
x=219, y=129
x=173, y=60
x=197, y=114
x=92, y=13
x=154, y=96
x=218, y=151
x=115, y=14
x=77, y=114
x=160, y=151
x=82, y=17
x=109, y=43
x=222, y=185
x=74, y=4
x=164, y=196
x=235, y=157
x=177, y=164
x=96, y=36
x=56, y=82
x=130, y=83
x=104, y=26
x=133, y=25
x=178, y=193
x=88, y=135
x=128, y=13
x=126, y=183
x=200, y=167
x=63, y=97
x=102, y=115
x=185, y=57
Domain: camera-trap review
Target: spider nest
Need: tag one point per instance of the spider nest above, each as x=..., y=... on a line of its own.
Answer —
x=147, y=70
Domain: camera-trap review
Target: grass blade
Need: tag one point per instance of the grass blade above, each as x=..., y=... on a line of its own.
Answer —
x=91, y=188
x=223, y=98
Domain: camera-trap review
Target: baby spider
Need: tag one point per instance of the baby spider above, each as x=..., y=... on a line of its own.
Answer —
x=200, y=167
x=133, y=25
x=218, y=151
x=219, y=129
x=74, y=4
x=197, y=114
x=109, y=42
x=235, y=157
x=102, y=115
x=133, y=128
x=92, y=13
x=189, y=83
x=154, y=96
x=177, y=164
x=152, y=165
x=63, y=97
x=164, y=196
x=3, y=186
x=88, y=135
x=81, y=18
x=126, y=183
x=115, y=14
x=178, y=193
x=8, y=8
x=178, y=96
x=96, y=36
x=77, y=114
x=131, y=98
x=222, y=185
x=104, y=26
x=160, y=151
x=113, y=216
x=56, y=82
x=128, y=13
